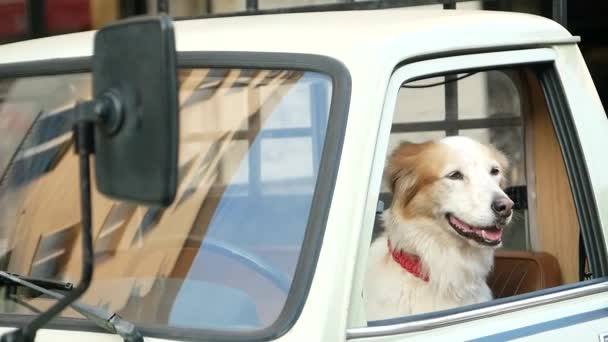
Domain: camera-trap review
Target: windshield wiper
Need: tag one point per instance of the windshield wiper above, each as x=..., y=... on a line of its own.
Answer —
x=44, y=283
x=30, y=293
x=111, y=322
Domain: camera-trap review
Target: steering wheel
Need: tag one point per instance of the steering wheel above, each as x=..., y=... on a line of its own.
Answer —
x=276, y=277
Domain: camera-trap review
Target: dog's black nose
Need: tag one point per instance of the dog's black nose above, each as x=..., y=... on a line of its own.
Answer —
x=502, y=206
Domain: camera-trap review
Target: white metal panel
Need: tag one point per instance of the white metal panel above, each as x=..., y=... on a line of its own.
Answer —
x=559, y=320
x=370, y=43
x=590, y=121
x=324, y=315
x=56, y=335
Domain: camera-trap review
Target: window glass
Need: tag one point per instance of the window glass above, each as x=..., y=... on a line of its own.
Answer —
x=224, y=254
x=431, y=99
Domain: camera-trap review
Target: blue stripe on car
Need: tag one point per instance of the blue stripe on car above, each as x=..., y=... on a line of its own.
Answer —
x=545, y=326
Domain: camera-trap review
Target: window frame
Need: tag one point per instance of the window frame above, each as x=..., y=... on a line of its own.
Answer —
x=542, y=61
x=322, y=195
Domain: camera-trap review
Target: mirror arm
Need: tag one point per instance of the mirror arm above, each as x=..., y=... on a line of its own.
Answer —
x=105, y=110
x=122, y=143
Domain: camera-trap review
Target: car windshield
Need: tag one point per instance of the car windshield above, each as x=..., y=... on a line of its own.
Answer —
x=224, y=254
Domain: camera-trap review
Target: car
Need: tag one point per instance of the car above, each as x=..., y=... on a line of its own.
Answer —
x=285, y=122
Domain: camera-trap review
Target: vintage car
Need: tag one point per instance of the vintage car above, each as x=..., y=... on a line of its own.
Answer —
x=285, y=122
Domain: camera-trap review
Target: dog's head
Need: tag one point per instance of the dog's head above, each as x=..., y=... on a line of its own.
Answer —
x=457, y=182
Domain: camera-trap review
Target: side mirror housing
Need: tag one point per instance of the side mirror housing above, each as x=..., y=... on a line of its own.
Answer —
x=136, y=157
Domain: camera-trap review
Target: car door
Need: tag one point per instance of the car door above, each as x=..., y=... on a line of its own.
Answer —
x=539, y=106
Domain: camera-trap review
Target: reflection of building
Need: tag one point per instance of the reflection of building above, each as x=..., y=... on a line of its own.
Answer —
x=271, y=121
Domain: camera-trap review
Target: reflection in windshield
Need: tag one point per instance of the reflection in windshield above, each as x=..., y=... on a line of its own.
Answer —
x=222, y=256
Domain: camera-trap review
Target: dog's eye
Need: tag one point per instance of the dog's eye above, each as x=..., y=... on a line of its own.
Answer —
x=455, y=175
x=494, y=171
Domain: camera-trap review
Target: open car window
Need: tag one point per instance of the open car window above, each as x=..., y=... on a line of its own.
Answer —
x=224, y=254
x=507, y=108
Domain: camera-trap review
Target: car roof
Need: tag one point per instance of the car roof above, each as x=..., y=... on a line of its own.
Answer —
x=352, y=36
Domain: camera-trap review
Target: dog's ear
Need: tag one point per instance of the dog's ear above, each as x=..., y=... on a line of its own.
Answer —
x=400, y=172
x=400, y=163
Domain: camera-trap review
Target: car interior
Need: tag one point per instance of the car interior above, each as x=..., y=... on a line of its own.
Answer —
x=540, y=249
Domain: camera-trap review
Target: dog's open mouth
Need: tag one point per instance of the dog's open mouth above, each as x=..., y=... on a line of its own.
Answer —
x=490, y=236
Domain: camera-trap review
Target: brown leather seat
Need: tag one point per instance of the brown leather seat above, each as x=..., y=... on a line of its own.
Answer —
x=517, y=272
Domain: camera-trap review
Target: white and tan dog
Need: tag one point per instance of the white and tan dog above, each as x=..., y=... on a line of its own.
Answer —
x=445, y=220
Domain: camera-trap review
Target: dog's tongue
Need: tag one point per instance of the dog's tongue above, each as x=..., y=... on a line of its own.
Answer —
x=492, y=234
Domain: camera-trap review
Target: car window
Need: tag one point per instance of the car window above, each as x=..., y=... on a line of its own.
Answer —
x=502, y=108
x=224, y=254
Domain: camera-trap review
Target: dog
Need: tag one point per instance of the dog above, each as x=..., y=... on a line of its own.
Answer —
x=446, y=219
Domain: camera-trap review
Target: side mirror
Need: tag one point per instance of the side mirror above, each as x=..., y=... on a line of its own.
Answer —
x=131, y=125
x=134, y=65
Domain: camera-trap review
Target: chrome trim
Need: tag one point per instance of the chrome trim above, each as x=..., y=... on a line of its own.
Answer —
x=563, y=40
x=485, y=312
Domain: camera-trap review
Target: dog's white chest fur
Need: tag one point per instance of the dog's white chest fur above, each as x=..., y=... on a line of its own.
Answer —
x=457, y=276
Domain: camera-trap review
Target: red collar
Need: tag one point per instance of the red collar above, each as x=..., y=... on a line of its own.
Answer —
x=409, y=262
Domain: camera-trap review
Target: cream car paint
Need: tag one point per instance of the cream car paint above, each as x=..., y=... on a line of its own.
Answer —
x=372, y=44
